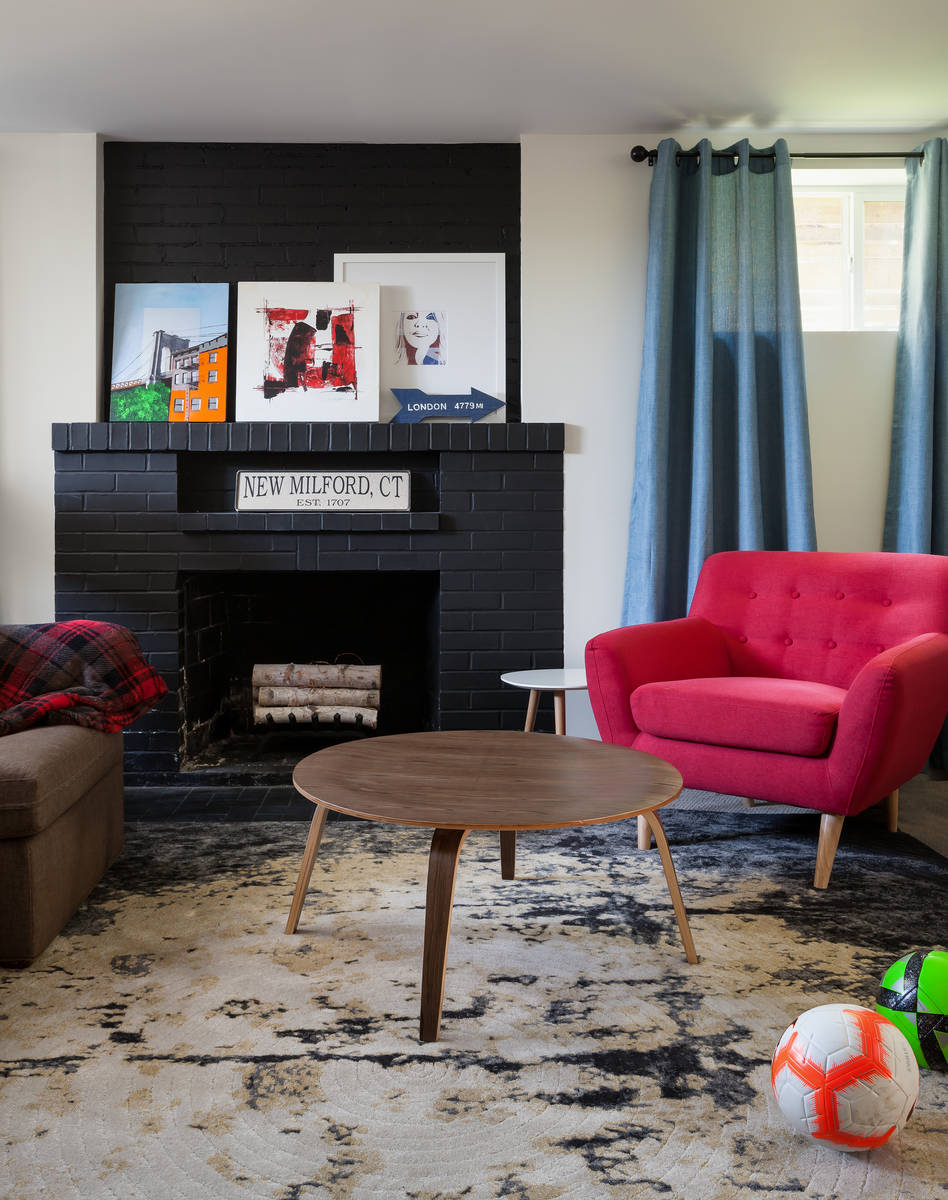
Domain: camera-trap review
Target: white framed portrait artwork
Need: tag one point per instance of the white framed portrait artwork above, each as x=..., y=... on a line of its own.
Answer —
x=442, y=323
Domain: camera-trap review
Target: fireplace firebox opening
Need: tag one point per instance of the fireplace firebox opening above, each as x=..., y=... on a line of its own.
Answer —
x=234, y=621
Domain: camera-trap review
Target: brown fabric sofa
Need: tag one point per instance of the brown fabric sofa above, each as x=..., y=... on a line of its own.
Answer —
x=61, y=826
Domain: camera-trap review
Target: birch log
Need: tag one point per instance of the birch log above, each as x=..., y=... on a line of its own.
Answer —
x=316, y=675
x=293, y=697
x=321, y=713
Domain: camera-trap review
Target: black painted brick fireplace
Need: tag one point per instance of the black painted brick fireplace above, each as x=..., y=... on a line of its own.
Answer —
x=226, y=213
x=143, y=508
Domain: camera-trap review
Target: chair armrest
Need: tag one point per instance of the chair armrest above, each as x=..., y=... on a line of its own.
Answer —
x=889, y=721
x=621, y=660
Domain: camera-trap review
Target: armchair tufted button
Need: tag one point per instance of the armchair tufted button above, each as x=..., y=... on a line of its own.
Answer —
x=840, y=595
x=887, y=603
x=742, y=638
x=752, y=595
x=788, y=641
x=794, y=595
x=831, y=645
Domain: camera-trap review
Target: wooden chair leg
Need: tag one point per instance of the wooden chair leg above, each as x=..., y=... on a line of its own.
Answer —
x=645, y=834
x=892, y=811
x=306, y=869
x=674, y=891
x=831, y=826
x=532, y=702
x=508, y=853
x=442, y=870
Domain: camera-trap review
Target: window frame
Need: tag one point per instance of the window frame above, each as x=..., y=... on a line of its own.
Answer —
x=866, y=194
x=856, y=188
x=845, y=283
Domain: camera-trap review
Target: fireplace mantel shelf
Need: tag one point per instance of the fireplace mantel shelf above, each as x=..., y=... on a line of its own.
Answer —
x=283, y=437
x=287, y=522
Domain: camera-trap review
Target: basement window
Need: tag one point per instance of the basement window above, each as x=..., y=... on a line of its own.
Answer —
x=849, y=227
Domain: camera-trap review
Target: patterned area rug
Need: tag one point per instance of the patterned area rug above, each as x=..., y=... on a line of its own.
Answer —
x=173, y=1043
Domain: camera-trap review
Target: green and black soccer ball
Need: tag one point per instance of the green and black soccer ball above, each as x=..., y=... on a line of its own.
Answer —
x=914, y=996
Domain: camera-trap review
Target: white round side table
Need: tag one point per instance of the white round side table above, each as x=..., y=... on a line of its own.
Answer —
x=558, y=681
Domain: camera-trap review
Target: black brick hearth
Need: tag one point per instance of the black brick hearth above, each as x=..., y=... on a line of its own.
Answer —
x=140, y=508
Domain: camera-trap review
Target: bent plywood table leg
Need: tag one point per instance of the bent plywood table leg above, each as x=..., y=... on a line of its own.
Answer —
x=306, y=868
x=442, y=869
x=672, y=880
x=508, y=853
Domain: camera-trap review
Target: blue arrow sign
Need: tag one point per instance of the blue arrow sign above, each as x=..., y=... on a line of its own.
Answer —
x=417, y=405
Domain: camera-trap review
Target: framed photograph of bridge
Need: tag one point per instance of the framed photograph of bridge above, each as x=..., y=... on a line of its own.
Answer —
x=169, y=352
x=443, y=331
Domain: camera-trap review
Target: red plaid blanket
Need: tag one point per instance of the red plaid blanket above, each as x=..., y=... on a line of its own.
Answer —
x=74, y=672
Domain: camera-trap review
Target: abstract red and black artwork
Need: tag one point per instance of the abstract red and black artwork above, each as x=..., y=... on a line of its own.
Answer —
x=307, y=352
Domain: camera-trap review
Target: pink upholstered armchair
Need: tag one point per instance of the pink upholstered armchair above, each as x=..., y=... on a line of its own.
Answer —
x=813, y=679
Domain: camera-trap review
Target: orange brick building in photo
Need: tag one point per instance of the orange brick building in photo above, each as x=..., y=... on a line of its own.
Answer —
x=199, y=382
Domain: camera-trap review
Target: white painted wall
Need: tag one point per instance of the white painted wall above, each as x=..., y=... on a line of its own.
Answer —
x=584, y=248
x=850, y=381
x=50, y=331
x=584, y=255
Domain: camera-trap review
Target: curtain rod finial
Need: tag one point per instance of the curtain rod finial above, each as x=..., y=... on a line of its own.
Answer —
x=640, y=154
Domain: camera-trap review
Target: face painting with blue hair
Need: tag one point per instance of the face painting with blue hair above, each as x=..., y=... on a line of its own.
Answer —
x=420, y=338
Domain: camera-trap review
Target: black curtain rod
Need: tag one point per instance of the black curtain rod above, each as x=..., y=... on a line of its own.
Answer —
x=640, y=154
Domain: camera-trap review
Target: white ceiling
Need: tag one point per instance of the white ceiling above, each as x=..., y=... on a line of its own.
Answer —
x=368, y=70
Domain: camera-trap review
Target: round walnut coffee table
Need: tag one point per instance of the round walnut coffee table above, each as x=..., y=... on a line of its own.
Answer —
x=459, y=781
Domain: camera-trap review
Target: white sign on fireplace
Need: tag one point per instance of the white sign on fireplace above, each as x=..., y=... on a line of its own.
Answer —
x=323, y=491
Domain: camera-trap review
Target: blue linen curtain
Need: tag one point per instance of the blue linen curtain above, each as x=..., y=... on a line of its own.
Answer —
x=722, y=451
x=916, y=515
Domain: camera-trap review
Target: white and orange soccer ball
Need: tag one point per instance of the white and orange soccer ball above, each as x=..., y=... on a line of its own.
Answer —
x=845, y=1075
